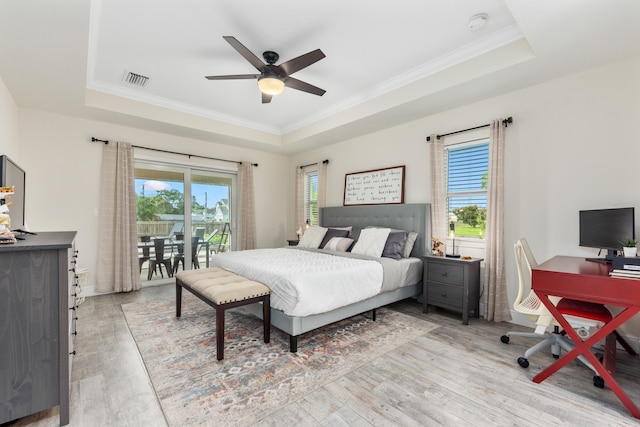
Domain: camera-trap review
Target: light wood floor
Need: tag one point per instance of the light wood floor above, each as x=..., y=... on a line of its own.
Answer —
x=455, y=375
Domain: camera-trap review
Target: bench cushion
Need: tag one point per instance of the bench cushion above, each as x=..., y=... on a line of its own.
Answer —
x=221, y=286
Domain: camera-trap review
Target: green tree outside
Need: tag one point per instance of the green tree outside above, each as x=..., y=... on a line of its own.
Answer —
x=164, y=202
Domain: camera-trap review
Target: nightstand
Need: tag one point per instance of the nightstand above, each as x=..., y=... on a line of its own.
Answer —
x=293, y=242
x=452, y=283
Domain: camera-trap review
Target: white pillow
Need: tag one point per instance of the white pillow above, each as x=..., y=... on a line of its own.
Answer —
x=312, y=237
x=371, y=241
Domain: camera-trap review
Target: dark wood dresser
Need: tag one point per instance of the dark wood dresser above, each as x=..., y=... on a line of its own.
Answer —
x=37, y=324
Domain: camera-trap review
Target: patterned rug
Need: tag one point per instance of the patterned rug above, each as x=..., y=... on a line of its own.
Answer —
x=254, y=379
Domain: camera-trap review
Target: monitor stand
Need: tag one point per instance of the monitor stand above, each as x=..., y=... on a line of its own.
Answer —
x=600, y=260
x=611, y=254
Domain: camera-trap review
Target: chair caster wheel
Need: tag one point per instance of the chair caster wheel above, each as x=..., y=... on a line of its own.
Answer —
x=524, y=362
x=598, y=381
x=505, y=339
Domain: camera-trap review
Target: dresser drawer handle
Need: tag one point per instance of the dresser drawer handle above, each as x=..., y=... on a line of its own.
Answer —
x=444, y=273
x=444, y=294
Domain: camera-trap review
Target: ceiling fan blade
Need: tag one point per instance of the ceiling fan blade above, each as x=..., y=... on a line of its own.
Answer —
x=305, y=87
x=266, y=98
x=302, y=61
x=246, y=53
x=233, y=77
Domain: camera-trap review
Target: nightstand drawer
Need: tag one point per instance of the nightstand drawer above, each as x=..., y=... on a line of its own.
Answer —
x=446, y=273
x=448, y=296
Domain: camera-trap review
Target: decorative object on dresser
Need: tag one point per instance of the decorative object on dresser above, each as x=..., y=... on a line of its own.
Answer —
x=437, y=247
x=452, y=236
x=38, y=290
x=452, y=283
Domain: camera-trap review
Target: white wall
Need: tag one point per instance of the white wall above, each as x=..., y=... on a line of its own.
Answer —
x=63, y=176
x=574, y=144
x=8, y=124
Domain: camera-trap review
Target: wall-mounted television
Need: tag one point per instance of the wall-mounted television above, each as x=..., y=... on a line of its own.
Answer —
x=13, y=175
x=605, y=229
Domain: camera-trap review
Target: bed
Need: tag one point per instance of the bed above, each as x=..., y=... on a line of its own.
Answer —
x=408, y=217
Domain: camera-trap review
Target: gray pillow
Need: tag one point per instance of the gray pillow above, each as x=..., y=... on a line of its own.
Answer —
x=394, y=247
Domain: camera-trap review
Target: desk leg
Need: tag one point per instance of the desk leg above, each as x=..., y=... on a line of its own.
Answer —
x=609, y=357
x=584, y=348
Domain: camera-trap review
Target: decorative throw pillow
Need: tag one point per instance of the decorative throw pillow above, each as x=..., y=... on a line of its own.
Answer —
x=333, y=232
x=312, y=237
x=340, y=244
x=394, y=246
x=371, y=241
x=355, y=234
x=408, y=244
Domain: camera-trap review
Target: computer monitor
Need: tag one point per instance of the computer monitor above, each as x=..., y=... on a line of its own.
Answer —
x=605, y=229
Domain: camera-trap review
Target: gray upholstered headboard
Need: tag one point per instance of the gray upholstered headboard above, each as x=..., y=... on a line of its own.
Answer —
x=410, y=217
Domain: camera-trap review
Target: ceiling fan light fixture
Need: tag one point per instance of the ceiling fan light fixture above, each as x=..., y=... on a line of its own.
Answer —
x=271, y=85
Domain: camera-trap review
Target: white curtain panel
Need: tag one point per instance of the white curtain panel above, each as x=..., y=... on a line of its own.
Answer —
x=439, y=227
x=299, y=198
x=495, y=285
x=322, y=184
x=118, y=268
x=246, y=238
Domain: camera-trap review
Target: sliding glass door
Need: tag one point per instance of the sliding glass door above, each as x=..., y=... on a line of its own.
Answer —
x=211, y=208
x=181, y=215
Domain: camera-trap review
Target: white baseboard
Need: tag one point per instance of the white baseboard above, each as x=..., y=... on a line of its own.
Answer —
x=90, y=290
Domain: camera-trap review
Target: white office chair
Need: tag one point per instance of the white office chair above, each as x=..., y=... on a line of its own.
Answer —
x=534, y=308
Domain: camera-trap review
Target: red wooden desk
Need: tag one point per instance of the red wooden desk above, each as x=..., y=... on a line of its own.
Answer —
x=578, y=279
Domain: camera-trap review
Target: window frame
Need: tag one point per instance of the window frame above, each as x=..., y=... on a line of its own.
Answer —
x=309, y=201
x=465, y=193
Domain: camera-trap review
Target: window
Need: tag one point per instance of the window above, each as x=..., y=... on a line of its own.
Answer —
x=467, y=167
x=311, y=197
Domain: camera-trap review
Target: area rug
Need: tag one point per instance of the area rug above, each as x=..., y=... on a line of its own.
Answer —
x=254, y=379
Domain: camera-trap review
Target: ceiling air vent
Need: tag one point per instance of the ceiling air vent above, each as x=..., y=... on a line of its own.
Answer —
x=135, y=79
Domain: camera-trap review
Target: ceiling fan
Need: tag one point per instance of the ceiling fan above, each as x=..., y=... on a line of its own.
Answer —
x=273, y=78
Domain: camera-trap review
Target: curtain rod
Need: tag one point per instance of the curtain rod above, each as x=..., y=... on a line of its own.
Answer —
x=324, y=162
x=505, y=122
x=175, y=152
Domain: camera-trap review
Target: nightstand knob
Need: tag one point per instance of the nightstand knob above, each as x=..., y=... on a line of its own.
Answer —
x=444, y=273
x=444, y=294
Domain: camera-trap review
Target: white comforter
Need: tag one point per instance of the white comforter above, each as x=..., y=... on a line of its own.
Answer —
x=306, y=282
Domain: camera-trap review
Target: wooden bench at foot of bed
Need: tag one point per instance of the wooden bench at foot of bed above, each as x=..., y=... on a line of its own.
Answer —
x=222, y=290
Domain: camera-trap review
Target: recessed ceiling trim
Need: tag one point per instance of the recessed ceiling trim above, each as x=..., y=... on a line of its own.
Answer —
x=157, y=101
x=486, y=44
